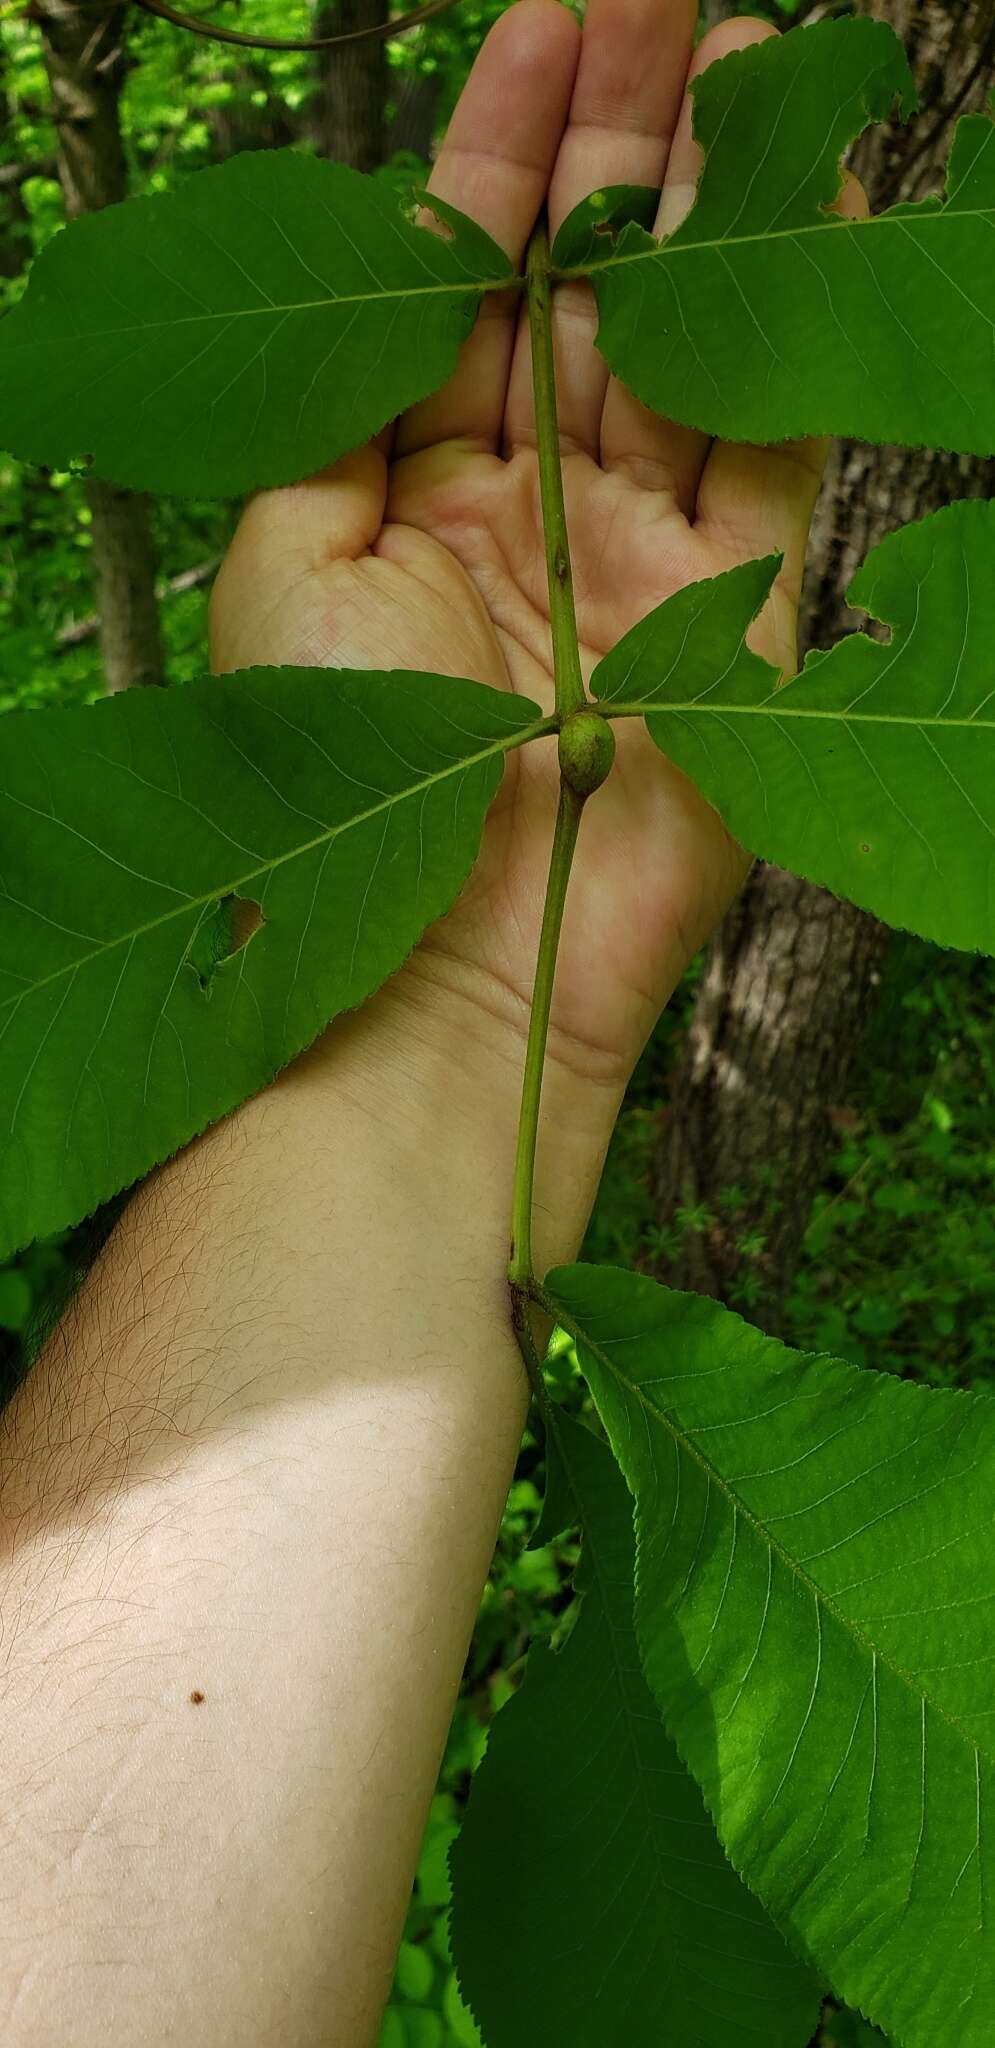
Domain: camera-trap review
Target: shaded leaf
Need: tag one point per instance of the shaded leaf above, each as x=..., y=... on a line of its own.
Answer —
x=586, y=1853
x=816, y=1616
x=347, y=807
x=848, y=2030
x=763, y=316
x=874, y=770
x=270, y=314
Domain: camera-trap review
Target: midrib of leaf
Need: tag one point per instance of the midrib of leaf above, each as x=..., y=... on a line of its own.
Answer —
x=725, y=242
x=771, y=709
x=540, y=730
x=277, y=306
x=820, y=1597
x=478, y=286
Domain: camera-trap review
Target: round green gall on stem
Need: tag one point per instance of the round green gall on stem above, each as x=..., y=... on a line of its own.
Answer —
x=587, y=750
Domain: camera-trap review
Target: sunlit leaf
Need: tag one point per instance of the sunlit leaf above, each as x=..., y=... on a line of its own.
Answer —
x=816, y=1616
x=347, y=807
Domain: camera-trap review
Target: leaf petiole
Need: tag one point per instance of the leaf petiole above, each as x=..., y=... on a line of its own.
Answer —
x=571, y=701
x=521, y=1271
x=570, y=692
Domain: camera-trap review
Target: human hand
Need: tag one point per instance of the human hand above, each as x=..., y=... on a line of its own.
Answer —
x=425, y=551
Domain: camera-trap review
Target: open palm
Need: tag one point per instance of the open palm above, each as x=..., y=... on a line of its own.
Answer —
x=427, y=552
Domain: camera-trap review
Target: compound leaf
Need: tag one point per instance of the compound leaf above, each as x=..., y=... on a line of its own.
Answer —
x=764, y=315
x=874, y=770
x=347, y=807
x=587, y=1855
x=816, y=1615
x=270, y=314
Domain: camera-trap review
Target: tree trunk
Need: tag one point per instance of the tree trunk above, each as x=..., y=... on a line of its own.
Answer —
x=251, y=114
x=350, y=108
x=790, y=978
x=83, y=51
x=412, y=123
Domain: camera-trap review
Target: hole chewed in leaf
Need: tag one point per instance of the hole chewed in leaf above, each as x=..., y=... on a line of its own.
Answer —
x=222, y=932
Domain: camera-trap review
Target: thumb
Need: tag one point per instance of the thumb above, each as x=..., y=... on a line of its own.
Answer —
x=269, y=603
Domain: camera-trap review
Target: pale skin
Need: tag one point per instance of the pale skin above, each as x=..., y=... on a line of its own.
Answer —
x=265, y=1459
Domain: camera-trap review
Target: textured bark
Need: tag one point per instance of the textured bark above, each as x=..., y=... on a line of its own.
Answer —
x=350, y=108
x=84, y=57
x=412, y=123
x=790, y=979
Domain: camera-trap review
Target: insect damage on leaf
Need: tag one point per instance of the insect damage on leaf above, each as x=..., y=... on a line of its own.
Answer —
x=225, y=929
x=764, y=1746
x=873, y=771
x=271, y=313
x=141, y=838
x=764, y=315
x=598, y=222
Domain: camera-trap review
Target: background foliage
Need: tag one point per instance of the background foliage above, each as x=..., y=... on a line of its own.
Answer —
x=898, y=1266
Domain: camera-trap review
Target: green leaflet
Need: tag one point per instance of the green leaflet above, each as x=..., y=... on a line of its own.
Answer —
x=874, y=770
x=762, y=316
x=816, y=1615
x=270, y=314
x=593, y=228
x=347, y=806
x=591, y=1900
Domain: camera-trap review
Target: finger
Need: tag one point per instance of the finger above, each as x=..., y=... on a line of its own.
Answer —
x=657, y=452
x=269, y=603
x=495, y=165
x=757, y=501
x=625, y=103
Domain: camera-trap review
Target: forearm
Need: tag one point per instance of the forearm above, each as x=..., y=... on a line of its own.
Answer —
x=249, y=1499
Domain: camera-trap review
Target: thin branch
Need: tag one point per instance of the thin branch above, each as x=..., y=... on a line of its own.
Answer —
x=826, y=11
x=87, y=628
x=12, y=176
x=384, y=31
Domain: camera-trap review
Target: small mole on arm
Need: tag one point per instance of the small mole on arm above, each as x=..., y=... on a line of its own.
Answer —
x=196, y=1699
